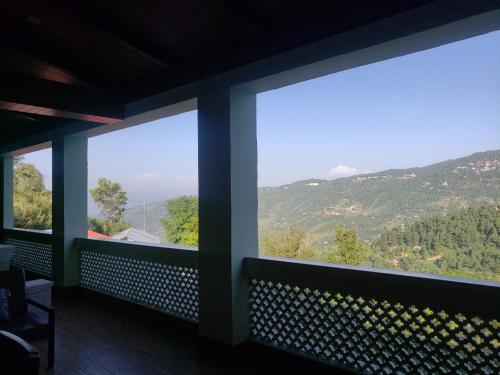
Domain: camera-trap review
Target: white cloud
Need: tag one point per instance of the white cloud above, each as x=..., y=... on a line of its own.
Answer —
x=342, y=171
x=148, y=176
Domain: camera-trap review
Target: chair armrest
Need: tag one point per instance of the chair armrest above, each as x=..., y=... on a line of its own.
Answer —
x=7, y=337
x=41, y=306
x=17, y=356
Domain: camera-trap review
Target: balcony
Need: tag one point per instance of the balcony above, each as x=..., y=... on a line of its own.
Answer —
x=369, y=321
x=221, y=309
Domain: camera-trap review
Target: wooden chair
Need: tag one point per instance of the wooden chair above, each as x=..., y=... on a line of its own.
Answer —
x=30, y=320
x=17, y=357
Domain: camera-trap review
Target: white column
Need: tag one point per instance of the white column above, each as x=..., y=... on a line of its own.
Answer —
x=69, y=206
x=227, y=145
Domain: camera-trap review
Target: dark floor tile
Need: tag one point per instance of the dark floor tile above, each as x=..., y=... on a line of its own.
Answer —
x=94, y=339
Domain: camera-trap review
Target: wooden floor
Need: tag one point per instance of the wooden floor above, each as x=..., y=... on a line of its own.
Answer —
x=93, y=337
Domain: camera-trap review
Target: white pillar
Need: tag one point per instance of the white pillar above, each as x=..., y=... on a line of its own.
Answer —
x=227, y=145
x=69, y=206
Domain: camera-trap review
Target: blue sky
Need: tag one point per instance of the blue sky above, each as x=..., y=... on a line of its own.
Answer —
x=410, y=111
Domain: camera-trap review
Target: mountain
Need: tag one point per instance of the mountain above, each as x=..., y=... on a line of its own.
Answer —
x=369, y=203
x=375, y=202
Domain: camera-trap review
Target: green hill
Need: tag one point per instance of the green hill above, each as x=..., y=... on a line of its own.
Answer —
x=463, y=243
x=374, y=203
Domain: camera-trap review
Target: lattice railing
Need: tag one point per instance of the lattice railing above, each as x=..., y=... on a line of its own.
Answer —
x=376, y=322
x=161, y=278
x=33, y=250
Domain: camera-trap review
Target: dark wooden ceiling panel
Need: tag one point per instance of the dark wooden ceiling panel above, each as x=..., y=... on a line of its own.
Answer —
x=57, y=35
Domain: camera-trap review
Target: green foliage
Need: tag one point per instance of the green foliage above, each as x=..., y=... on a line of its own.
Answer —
x=348, y=249
x=111, y=200
x=32, y=201
x=289, y=244
x=106, y=227
x=463, y=243
x=181, y=222
x=96, y=225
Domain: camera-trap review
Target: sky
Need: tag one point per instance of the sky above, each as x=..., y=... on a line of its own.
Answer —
x=410, y=111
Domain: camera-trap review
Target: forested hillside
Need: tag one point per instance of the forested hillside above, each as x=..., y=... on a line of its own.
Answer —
x=462, y=243
x=373, y=203
x=369, y=203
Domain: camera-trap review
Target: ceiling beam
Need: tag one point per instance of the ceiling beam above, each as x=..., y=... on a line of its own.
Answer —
x=47, y=98
x=18, y=61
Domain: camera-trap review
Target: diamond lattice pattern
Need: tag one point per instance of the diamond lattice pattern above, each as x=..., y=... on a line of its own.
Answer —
x=373, y=336
x=164, y=287
x=32, y=256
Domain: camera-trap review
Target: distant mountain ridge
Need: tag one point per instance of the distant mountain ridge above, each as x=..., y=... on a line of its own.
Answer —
x=371, y=203
x=374, y=202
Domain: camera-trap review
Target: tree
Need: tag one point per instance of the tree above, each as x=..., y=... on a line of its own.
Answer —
x=290, y=244
x=32, y=201
x=96, y=225
x=181, y=222
x=348, y=249
x=111, y=200
x=462, y=243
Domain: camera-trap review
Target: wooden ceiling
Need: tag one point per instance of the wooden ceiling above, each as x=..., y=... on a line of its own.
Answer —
x=84, y=59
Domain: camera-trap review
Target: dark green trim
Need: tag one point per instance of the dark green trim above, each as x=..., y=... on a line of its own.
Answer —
x=140, y=251
x=28, y=235
x=470, y=297
x=6, y=192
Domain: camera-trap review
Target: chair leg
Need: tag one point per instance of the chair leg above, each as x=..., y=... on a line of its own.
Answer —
x=50, y=352
x=51, y=343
